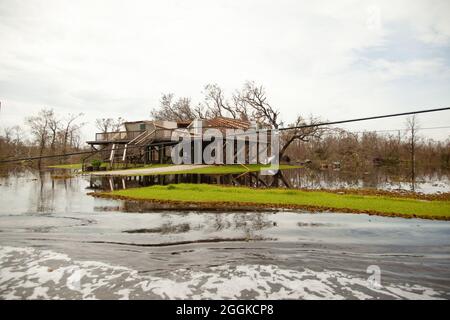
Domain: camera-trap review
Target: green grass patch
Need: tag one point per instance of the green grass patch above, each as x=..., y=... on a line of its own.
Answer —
x=67, y=166
x=74, y=166
x=295, y=198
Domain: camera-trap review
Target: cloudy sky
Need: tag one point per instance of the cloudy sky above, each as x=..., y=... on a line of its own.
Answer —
x=335, y=59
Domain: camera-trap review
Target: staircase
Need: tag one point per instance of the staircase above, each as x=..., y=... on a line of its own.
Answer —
x=133, y=151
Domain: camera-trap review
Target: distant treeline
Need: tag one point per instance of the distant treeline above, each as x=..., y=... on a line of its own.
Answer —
x=48, y=134
x=42, y=134
x=350, y=150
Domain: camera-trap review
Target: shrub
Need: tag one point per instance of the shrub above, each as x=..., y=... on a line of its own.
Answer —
x=96, y=163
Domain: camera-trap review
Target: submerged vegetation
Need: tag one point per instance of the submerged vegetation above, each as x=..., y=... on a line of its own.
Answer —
x=312, y=200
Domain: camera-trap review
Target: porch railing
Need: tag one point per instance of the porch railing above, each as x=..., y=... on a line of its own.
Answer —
x=127, y=136
x=117, y=136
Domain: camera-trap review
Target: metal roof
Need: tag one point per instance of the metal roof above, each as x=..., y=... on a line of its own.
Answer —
x=222, y=122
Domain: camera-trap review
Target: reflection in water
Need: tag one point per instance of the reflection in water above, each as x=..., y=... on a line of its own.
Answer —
x=166, y=228
x=305, y=178
x=57, y=215
x=248, y=224
x=210, y=226
x=44, y=192
x=40, y=192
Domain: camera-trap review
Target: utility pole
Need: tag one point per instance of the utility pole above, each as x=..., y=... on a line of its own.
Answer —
x=413, y=127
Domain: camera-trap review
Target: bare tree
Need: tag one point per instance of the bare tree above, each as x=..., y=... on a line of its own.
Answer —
x=11, y=144
x=117, y=123
x=249, y=103
x=255, y=97
x=109, y=124
x=241, y=106
x=179, y=110
x=104, y=124
x=215, y=101
x=16, y=135
x=7, y=134
x=218, y=106
x=214, y=105
x=54, y=127
x=39, y=126
x=308, y=130
x=69, y=128
x=245, y=104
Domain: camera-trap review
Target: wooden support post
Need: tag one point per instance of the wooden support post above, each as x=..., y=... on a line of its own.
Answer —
x=124, y=157
x=146, y=154
x=111, y=157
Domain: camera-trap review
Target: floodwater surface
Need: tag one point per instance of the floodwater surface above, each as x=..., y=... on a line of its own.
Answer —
x=58, y=242
x=382, y=178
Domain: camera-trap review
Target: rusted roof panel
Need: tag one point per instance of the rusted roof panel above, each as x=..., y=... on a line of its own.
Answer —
x=230, y=123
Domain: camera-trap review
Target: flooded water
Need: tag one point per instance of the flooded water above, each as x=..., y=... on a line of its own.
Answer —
x=58, y=242
x=390, y=179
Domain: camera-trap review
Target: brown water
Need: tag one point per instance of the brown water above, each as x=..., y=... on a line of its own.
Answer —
x=57, y=242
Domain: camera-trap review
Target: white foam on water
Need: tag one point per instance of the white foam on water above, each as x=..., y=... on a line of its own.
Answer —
x=28, y=273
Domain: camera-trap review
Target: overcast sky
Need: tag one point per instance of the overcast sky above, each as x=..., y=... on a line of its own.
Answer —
x=335, y=59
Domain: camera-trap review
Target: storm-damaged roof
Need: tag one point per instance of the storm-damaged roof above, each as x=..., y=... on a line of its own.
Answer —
x=230, y=123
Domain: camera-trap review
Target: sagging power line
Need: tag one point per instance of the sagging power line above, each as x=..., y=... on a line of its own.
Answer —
x=400, y=129
x=258, y=130
x=364, y=119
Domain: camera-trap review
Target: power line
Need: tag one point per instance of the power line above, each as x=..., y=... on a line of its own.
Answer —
x=329, y=123
x=264, y=130
x=64, y=155
x=47, y=157
x=364, y=119
x=393, y=130
x=321, y=124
